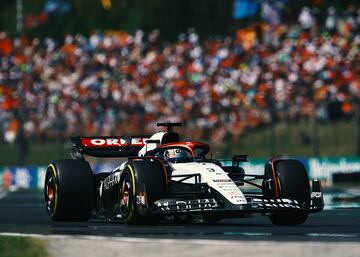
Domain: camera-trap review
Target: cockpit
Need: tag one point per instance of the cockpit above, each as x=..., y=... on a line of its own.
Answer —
x=181, y=152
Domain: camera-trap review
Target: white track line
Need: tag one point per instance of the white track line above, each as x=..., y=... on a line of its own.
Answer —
x=175, y=241
x=121, y=239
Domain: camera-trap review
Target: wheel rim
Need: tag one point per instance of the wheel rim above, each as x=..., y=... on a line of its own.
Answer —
x=50, y=191
x=126, y=196
x=125, y=193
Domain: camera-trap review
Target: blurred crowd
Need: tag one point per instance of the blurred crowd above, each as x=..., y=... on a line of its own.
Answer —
x=114, y=83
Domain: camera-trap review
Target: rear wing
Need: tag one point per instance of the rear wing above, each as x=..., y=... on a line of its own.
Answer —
x=113, y=146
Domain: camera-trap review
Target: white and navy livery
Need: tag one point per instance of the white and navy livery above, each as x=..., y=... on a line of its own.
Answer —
x=166, y=177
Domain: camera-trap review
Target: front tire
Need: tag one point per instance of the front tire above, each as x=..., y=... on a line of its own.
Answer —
x=141, y=179
x=69, y=190
x=292, y=182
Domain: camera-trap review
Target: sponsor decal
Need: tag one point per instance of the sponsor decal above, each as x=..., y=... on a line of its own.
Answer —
x=227, y=184
x=113, y=142
x=316, y=194
x=111, y=181
x=41, y=172
x=211, y=170
x=6, y=178
x=22, y=178
x=324, y=168
x=141, y=199
x=187, y=205
x=233, y=193
x=222, y=180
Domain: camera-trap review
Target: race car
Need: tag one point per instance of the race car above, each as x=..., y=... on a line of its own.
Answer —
x=164, y=178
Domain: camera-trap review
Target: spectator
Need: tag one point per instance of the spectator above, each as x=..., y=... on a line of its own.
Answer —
x=331, y=20
x=306, y=19
x=116, y=83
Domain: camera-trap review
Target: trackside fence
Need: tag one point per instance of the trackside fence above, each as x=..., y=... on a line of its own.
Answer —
x=329, y=170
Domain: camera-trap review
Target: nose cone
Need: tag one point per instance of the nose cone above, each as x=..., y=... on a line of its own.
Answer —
x=217, y=179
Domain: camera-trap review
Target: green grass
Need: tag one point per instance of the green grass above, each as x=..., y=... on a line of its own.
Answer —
x=39, y=154
x=338, y=139
x=11, y=246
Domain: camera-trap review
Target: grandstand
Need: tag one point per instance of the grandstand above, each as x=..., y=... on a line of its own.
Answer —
x=222, y=88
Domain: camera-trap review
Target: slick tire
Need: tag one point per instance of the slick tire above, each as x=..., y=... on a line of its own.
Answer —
x=292, y=183
x=69, y=190
x=141, y=179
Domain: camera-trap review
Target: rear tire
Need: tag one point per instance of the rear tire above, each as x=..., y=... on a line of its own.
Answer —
x=293, y=183
x=148, y=174
x=69, y=190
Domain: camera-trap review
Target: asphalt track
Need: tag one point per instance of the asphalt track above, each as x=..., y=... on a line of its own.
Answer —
x=23, y=212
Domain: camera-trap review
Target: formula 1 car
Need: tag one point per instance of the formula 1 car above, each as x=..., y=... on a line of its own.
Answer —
x=166, y=178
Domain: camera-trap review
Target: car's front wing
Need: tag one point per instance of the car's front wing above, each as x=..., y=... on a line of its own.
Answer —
x=254, y=205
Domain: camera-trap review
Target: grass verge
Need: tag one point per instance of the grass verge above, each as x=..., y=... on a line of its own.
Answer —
x=12, y=246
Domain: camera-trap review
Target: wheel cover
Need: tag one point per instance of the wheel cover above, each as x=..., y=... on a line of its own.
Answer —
x=126, y=196
x=50, y=191
x=125, y=193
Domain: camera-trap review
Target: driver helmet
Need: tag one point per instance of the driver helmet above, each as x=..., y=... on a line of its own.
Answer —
x=174, y=154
